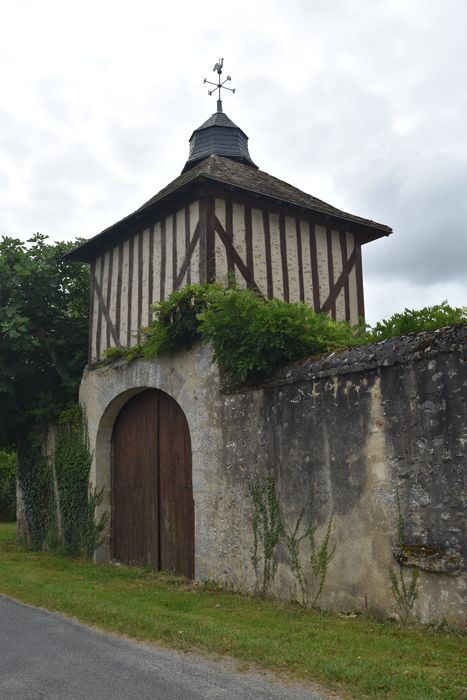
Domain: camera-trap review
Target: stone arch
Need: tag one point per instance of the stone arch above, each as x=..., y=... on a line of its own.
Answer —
x=191, y=379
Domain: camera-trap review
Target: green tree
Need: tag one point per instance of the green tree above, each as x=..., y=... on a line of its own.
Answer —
x=43, y=334
x=7, y=485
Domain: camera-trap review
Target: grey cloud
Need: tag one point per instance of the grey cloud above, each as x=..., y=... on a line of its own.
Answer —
x=423, y=198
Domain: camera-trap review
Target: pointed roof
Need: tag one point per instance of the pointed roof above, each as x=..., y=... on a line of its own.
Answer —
x=236, y=176
x=218, y=136
x=217, y=119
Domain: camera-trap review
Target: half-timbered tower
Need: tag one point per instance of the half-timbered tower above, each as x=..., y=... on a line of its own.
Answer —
x=223, y=219
x=155, y=428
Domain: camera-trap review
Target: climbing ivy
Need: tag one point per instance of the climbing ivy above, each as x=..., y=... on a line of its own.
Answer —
x=36, y=484
x=59, y=502
x=76, y=497
x=267, y=530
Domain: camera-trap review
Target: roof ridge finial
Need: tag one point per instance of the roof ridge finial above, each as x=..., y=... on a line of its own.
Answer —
x=218, y=86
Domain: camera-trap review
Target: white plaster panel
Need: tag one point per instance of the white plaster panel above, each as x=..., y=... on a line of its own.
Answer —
x=337, y=267
x=259, y=250
x=134, y=293
x=292, y=258
x=156, y=285
x=322, y=261
x=306, y=262
x=113, y=290
x=124, y=295
x=181, y=247
x=221, y=253
x=353, y=298
x=95, y=314
x=219, y=208
x=103, y=285
x=221, y=261
x=168, y=256
x=145, y=273
x=276, y=263
x=238, y=217
x=194, y=266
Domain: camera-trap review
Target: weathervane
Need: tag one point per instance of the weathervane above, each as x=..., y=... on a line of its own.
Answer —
x=219, y=85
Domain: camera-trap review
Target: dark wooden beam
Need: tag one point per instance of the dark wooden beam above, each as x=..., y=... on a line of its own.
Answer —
x=235, y=256
x=337, y=287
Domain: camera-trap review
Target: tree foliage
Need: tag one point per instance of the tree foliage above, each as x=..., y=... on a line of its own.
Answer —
x=43, y=333
x=7, y=485
x=414, y=320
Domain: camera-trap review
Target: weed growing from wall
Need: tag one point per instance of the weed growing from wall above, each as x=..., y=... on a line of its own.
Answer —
x=404, y=588
x=320, y=555
x=92, y=529
x=267, y=531
x=293, y=540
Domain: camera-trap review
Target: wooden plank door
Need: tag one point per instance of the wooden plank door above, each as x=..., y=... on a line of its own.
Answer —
x=152, y=495
x=176, y=511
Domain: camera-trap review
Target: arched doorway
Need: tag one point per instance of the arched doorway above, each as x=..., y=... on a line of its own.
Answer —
x=152, y=493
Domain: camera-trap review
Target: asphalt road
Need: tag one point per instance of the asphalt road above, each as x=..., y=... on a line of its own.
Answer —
x=44, y=656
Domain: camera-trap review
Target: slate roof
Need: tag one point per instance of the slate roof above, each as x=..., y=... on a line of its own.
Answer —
x=217, y=119
x=242, y=178
x=218, y=135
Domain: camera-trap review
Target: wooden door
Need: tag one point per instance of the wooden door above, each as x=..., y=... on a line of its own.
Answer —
x=152, y=494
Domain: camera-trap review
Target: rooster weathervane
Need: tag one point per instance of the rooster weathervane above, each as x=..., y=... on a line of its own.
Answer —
x=219, y=85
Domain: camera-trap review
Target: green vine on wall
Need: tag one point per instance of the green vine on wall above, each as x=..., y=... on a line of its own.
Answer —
x=36, y=484
x=65, y=517
x=77, y=499
x=269, y=530
x=310, y=584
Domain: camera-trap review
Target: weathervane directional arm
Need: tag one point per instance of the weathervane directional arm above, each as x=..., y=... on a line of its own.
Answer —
x=219, y=85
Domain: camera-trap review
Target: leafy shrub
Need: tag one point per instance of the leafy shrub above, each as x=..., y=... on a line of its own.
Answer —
x=251, y=336
x=176, y=322
x=7, y=486
x=415, y=320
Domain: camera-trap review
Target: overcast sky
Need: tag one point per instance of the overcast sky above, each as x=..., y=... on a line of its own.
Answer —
x=362, y=104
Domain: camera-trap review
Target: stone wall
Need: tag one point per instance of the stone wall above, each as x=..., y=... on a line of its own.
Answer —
x=358, y=429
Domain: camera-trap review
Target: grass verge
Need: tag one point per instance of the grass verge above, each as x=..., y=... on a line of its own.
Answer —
x=356, y=657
